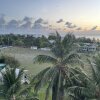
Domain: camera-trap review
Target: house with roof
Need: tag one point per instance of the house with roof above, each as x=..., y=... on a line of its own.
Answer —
x=87, y=47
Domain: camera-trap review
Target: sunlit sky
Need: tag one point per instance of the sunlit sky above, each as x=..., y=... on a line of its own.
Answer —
x=64, y=15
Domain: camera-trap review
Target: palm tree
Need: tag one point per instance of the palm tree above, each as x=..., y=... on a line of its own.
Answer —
x=11, y=83
x=92, y=89
x=26, y=93
x=55, y=77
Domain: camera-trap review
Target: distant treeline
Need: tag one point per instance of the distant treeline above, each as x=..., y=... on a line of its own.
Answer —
x=31, y=40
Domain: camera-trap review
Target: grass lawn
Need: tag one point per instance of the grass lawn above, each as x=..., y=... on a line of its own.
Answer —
x=25, y=57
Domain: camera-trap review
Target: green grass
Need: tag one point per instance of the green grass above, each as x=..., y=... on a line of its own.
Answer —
x=25, y=57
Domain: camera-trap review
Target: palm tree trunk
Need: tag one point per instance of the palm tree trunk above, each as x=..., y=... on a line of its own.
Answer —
x=61, y=91
x=58, y=89
x=55, y=88
x=13, y=97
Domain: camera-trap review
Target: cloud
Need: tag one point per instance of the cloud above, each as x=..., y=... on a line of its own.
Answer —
x=45, y=22
x=59, y=21
x=94, y=28
x=37, y=26
x=70, y=25
x=40, y=20
x=2, y=20
x=13, y=24
x=79, y=28
x=40, y=23
x=27, y=19
x=27, y=23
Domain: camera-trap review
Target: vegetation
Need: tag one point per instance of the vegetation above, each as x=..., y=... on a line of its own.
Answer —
x=58, y=76
x=11, y=61
x=31, y=40
x=63, y=75
x=23, y=40
x=11, y=83
x=92, y=88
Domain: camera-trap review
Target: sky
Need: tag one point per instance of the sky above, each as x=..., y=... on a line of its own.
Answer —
x=82, y=17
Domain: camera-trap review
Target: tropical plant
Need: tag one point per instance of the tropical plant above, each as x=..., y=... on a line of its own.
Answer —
x=92, y=89
x=57, y=76
x=11, y=82
x=27, y=93
x=12, y=86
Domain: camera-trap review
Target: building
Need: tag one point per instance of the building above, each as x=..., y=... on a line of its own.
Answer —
x=45, y=49
x=87, y=47
x=34, y=47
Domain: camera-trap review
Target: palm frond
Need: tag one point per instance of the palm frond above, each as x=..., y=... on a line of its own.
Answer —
x=68, y=42
x=40, y=74
x=44, y=59
x=11, y=81
x=94, y=72
x=81, y=91
x=72, y=57
x=46, y=78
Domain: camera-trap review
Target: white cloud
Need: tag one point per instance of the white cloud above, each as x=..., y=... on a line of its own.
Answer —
x=27, y=19
x=60, y=21
x=26, y=23
x=40, y=23
x=70, y=25
x=79, y=28
x=13, y=24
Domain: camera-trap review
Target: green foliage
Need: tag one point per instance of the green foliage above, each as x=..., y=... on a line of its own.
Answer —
x=11, y=61
x=11, y=82
x=91, y=89
x=51, y=37
x=56, y=77
x=23, y=40
x=13, y=89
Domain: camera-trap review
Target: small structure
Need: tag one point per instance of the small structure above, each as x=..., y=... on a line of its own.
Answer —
x=34, y=47
x=45, y=49
x=51, y=41
x=88, y=47
x=5, y=47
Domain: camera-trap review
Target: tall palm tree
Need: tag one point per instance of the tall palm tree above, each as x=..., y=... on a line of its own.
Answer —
x=92, y=89
x=55, y=77
x=11, y=83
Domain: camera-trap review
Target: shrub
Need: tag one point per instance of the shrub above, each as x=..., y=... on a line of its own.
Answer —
x=9, y=60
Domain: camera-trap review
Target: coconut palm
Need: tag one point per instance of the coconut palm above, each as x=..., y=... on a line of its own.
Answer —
x=55, y=77
x=26, y=93
x=92, y=89
x=11, y=83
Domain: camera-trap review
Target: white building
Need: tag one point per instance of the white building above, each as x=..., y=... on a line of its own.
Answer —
x=88, y=47
x=34, y=47
x=45, y=49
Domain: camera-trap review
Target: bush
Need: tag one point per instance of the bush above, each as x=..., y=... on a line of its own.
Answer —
x=8, y=60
